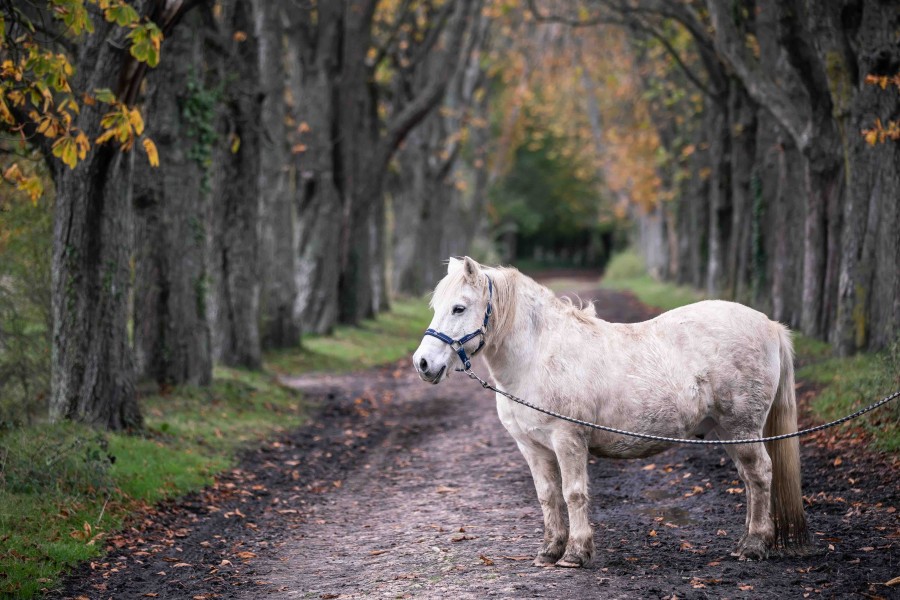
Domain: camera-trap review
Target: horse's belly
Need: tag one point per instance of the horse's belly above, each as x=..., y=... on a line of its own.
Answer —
x=633, y=449
x=611, y=445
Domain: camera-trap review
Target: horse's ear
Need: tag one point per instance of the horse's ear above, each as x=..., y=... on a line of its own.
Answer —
x=453, y=265
x=472, y=269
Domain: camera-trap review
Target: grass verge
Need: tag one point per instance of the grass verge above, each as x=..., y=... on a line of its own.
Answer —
x=64, y=487
x=847, y=383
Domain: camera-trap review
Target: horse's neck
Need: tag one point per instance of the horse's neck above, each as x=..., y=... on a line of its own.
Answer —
x=516, y=350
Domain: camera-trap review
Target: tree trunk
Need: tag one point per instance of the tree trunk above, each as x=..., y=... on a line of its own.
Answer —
x=171, y=330
x=361, y=176
x=868, y=300
x=280, y=327
x=93, y=366
x=235, y=261
x=824, y=183
x=720, y=198
x=745, y=217
x=92, y=377
x=318, y=202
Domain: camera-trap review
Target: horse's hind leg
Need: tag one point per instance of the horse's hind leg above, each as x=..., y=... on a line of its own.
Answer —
x=571, y=452
x=548, y=484
x=755, y=469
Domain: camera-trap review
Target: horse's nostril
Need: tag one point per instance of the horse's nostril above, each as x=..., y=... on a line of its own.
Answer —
x=423, y=364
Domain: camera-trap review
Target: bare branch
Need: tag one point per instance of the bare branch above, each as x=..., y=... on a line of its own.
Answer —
x=796, y=119
x=400, y=125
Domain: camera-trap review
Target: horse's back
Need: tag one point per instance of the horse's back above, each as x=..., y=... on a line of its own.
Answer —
x=736, y=347
x=716, y=326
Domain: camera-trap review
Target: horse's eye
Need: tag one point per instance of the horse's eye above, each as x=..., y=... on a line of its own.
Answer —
x=459, y=309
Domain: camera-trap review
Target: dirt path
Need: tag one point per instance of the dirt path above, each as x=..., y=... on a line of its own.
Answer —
x=401, y=489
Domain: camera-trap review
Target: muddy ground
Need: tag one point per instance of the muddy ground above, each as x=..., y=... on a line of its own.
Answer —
x=399, y=489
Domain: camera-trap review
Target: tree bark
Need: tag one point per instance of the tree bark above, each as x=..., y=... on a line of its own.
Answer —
x=746, y=214
x=720, y=197
x=280, y=326
x=236, y=339
x=92, y=376
x=171, y=329
x=868, y=298
x=361, y=180
x=317, y=198
x=93, y=365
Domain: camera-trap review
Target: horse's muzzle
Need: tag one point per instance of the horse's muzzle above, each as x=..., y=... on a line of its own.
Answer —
x=432, y=379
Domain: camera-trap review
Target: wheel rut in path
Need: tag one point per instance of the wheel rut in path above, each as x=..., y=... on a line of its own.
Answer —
x=402, y=489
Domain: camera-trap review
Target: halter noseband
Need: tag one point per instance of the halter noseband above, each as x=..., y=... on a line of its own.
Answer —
x=458, y=346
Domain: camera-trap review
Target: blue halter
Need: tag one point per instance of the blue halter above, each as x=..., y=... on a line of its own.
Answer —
x=458, y=346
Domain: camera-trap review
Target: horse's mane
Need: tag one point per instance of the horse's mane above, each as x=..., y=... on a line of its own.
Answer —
x=511, y=287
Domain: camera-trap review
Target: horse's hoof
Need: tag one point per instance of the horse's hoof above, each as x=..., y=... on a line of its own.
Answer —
x=573, y=561
x=752, y=548
x=568, y=564
x=544, y=560
x=549, y=553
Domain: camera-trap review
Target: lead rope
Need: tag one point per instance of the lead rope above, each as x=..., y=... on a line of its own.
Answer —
x=659, y=438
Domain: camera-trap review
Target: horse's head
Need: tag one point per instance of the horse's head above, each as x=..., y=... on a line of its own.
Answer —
x=461, y=304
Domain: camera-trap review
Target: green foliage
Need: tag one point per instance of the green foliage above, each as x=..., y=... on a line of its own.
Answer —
x=36, y=78
x=547, y=197
x=25, y=326
x=198, y=110
x=625, y=265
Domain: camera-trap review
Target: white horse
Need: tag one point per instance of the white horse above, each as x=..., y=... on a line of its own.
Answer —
x=712, y=367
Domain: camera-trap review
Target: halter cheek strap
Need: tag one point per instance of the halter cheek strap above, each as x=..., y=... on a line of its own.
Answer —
x=458, y=346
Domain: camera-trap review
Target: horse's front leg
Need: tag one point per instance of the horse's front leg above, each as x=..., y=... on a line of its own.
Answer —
x=572, y=453
x=547, y=483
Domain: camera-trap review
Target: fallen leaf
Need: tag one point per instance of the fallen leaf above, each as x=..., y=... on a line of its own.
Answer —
x=225, y=563
x=377, y=552
x=488, y=562
x=521, y=557
x=649, y=467
x=246, y=555
x=443, y=489
x=745, y=588
x=652, y=533
x=181, y=565
x=893, y=582
x=329, y=596
x=838, y=461
x=150, y=595
x=721, y=532
x=714, y=563
x=867, y=548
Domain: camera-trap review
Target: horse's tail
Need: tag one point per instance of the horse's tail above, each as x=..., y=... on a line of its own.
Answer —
x=791, y=534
